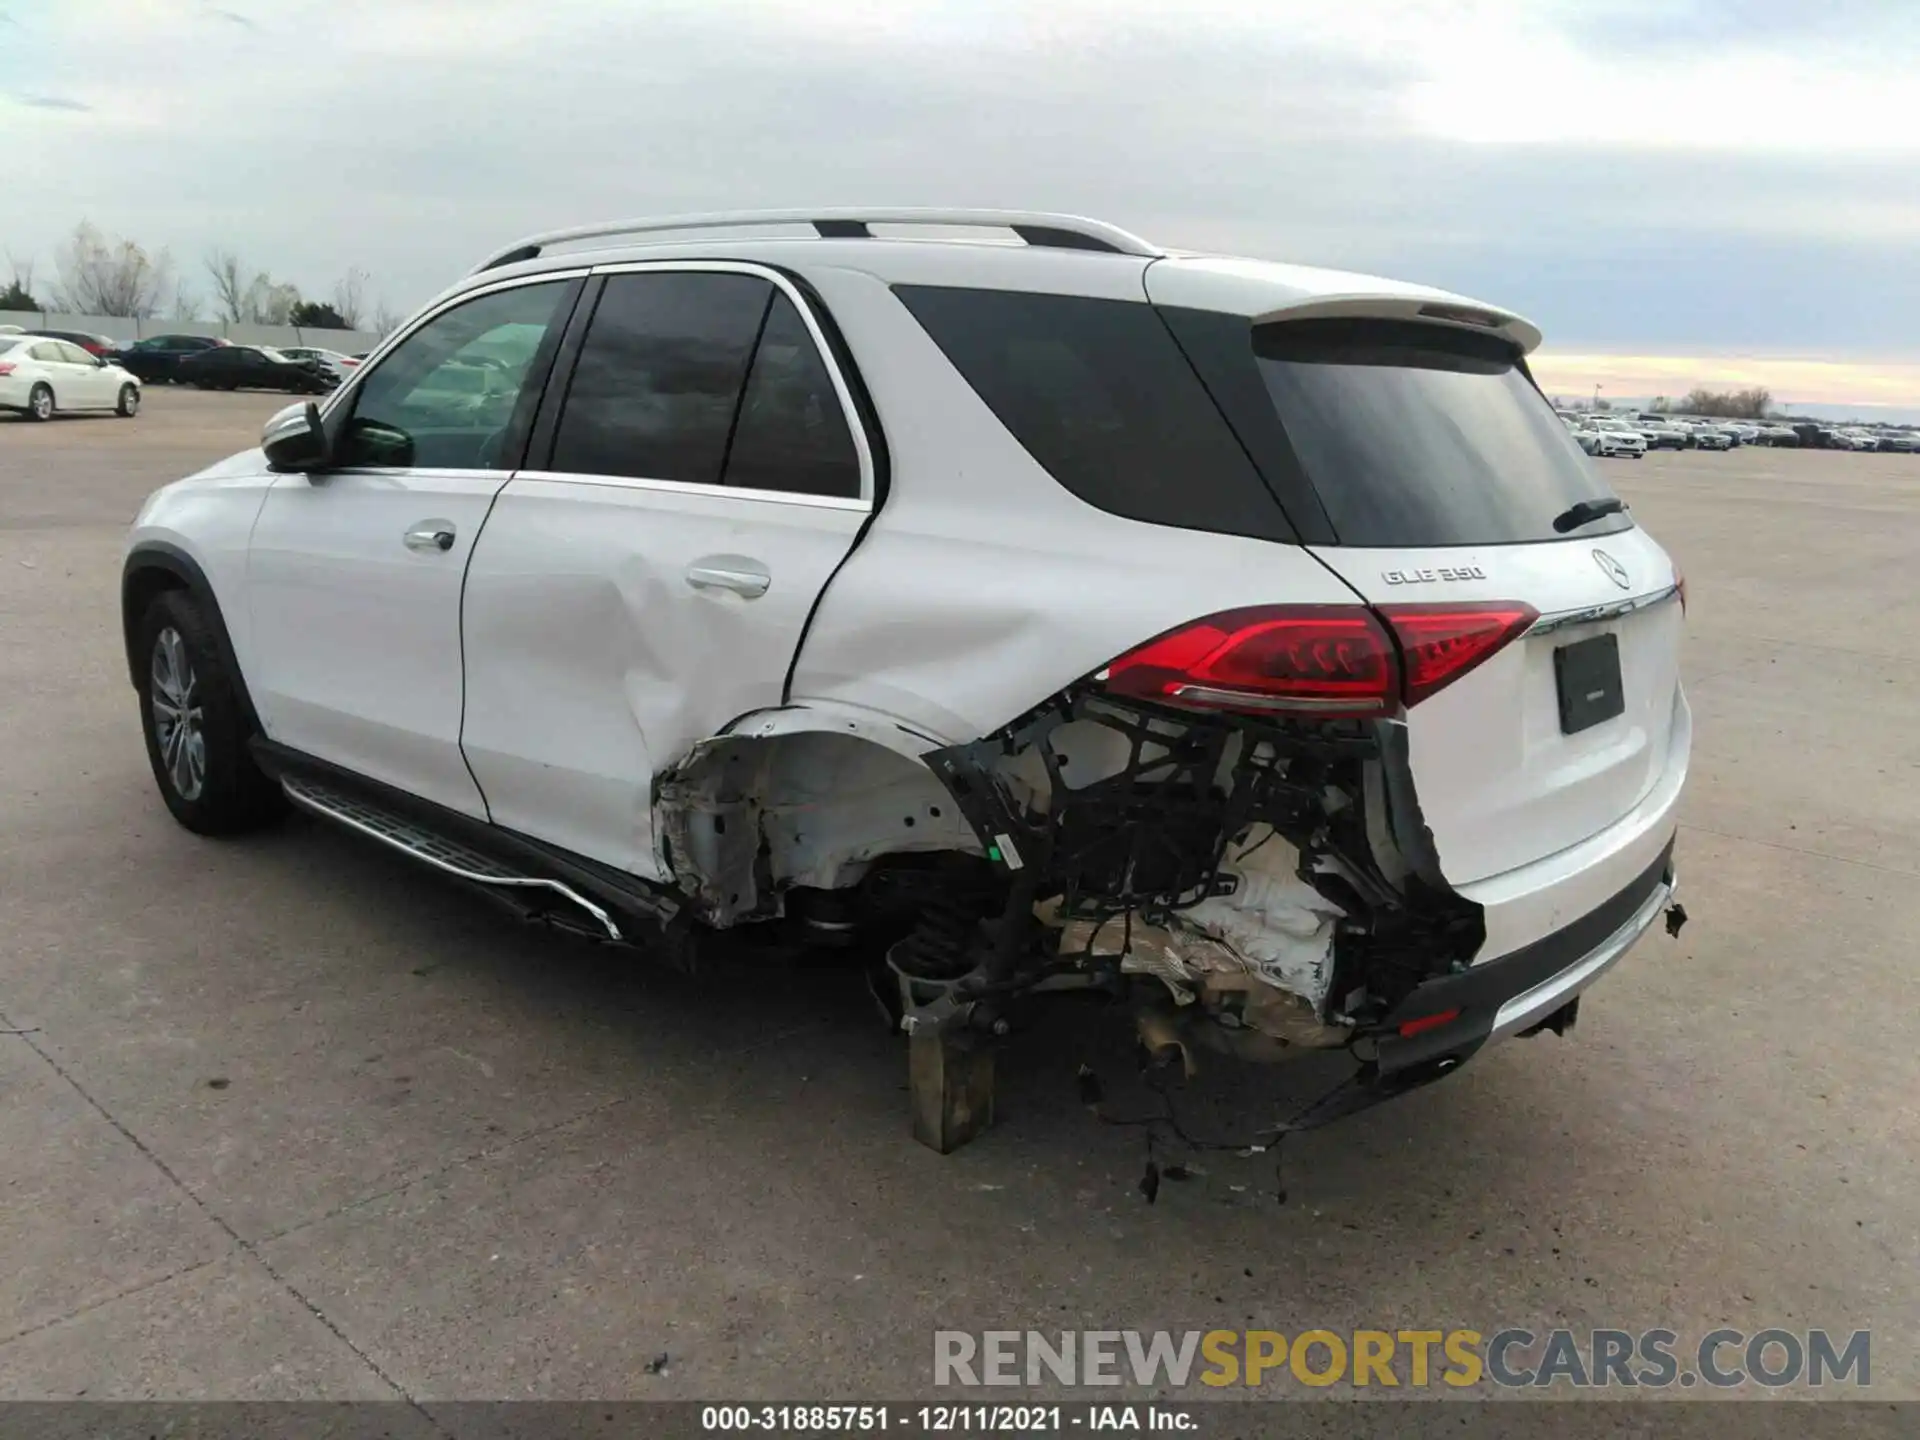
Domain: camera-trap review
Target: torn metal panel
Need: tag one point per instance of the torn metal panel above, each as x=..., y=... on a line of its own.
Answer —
x=773, y=806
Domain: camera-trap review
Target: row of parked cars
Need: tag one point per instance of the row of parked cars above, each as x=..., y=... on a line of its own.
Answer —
x=46, y=371
x=1619, y=433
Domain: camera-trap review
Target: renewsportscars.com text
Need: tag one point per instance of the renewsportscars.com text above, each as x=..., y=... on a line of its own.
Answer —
x=1412, y=1359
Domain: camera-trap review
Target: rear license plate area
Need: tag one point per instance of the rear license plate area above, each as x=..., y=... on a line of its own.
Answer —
x=1587, y=675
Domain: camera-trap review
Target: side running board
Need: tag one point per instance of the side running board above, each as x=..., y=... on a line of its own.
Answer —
x=424, y=845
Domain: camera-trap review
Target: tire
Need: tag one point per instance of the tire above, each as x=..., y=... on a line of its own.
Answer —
x=40, y=402
x=207, y=776
x=129, y=405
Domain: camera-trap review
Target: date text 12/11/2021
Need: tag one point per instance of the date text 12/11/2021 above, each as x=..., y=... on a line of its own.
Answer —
x=955, y=1419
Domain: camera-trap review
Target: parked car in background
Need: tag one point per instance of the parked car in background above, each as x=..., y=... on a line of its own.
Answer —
x=1904, y=442
x=1619, y=438
x=1375, y=721
x=332, y=361
x=40, y=377
x=156, y=358
x=1660, y=432
x=1704, y=435
x=1854, y=440
x=1586, y=439
x=253, y=367
x=1778, y=435
x=98, y=346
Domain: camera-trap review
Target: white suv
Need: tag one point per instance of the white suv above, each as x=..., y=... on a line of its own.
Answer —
x=1250, y=642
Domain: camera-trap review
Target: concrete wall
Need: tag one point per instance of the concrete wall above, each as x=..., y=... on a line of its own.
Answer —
x=347, y=342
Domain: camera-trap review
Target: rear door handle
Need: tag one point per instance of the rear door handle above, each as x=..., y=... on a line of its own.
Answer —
x=430, y=535
x=729, y=572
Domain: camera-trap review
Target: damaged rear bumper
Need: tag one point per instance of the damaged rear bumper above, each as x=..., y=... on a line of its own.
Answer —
x=1519, y=990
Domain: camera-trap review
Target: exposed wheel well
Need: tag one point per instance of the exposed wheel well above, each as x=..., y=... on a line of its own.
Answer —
x=137, y=592
x=151, y=571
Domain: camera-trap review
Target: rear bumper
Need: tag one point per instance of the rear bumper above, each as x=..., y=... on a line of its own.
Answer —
x=1503, y=997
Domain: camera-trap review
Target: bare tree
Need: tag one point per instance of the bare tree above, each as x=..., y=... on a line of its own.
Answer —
x=230, y=285
x=350, y=297
x=1750, y=404
x=243, y=299
x=102, y=275
x=385, y=319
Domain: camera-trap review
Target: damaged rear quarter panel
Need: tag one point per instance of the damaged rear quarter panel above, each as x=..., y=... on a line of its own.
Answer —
x=983, y=586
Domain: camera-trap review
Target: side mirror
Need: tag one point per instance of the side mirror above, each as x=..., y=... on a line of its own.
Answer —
x=294, y=439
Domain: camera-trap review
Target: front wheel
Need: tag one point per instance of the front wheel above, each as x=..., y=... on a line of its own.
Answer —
x=196, y=730
x=129, y=405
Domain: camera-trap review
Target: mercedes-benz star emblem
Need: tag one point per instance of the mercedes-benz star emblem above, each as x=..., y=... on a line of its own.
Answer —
x=1615, y=571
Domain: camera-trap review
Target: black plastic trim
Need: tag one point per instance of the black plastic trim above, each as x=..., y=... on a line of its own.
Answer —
x=842, y=230
x=151, y=555
x=553, y=396
x=1049, y=237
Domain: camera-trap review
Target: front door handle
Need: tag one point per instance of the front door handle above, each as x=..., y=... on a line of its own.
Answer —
x=729, y=572
x=431, y=535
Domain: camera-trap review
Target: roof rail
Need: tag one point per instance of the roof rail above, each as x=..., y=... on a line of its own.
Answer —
x=1060, y=232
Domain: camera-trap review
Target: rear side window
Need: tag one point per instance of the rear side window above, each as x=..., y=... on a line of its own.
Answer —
x=1422, y=435
x=1099, y=393
x=658, y=383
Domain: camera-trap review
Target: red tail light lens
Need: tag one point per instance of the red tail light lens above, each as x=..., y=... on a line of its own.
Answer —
x=1325, y=660
x=1329, y=661
x=6, y=367
x=1440, y=643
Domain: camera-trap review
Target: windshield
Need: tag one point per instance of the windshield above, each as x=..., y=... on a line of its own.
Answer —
x=269, y=352
x=1417, y=434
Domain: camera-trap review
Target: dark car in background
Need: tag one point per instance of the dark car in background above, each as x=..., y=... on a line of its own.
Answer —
x=253, y=367
x=156, y=358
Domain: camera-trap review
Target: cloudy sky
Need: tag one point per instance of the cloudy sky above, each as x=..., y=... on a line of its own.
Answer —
x=1675, y=190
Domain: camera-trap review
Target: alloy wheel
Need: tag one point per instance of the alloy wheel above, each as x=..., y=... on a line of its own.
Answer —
x=179, y=726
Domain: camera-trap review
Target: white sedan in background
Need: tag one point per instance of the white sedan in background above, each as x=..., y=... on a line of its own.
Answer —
x=40, y=376
x=1618, y=438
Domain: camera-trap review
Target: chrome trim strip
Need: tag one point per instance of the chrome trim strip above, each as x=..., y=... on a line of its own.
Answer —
x=1610, y=611
x=683, y=487
x=1553, y=992
x=318, y=807
x=1209, y=694
x=780, y=282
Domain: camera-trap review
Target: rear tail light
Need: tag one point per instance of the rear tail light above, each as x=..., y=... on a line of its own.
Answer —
x=1331, y=660
x=1440, y=643
x=1328, y=661
x=6, y=367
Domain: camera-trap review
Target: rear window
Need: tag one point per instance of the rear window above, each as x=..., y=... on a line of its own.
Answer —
x=1098, y=392
x=1419, y=435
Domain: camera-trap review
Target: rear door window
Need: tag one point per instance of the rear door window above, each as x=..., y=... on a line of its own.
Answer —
x=657, y=388
x=1099, y=393
x=1422, y=435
